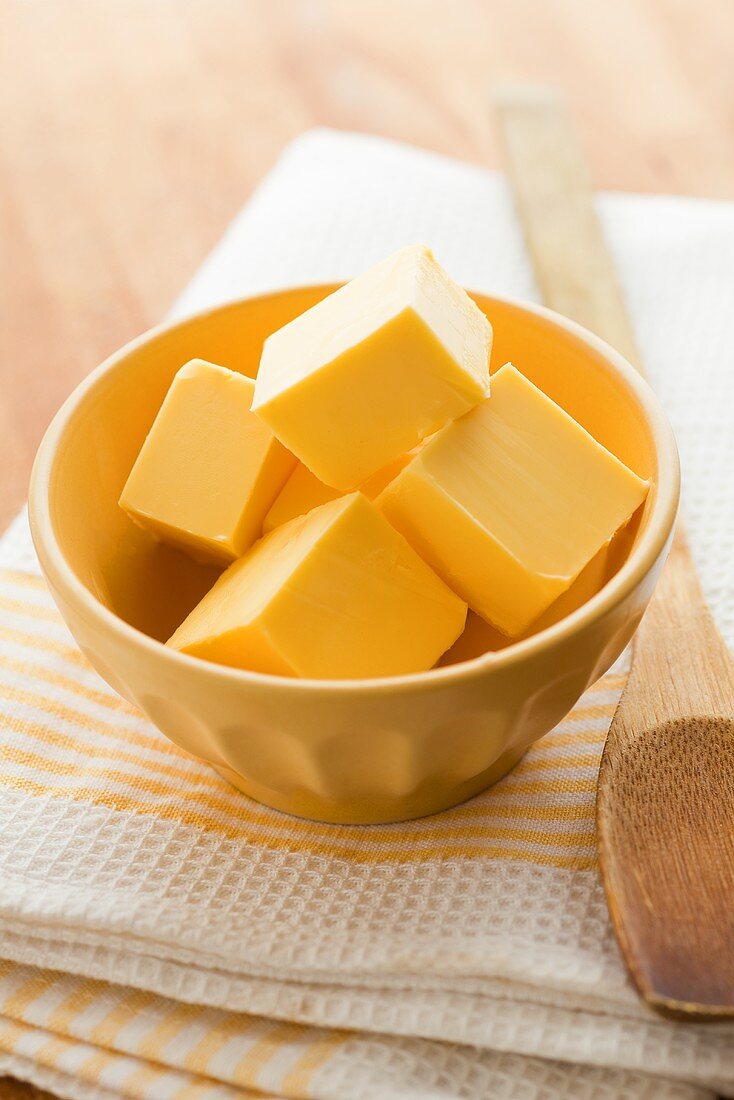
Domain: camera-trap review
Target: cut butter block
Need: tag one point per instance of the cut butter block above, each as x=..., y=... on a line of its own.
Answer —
x=209, y=469
x=303, y=491
x=509, y=503
x=367, y=373
x=333, y=594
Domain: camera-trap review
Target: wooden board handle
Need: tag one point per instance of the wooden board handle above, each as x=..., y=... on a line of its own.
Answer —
x=665, y=802
x=573, y=267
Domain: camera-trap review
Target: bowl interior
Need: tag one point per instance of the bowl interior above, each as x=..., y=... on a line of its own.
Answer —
x=152, y=587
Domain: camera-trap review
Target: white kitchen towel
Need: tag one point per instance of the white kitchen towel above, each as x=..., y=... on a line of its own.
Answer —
x=82, y=1038
x=477, y=927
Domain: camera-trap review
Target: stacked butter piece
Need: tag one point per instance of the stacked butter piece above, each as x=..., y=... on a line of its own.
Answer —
x=367, y=488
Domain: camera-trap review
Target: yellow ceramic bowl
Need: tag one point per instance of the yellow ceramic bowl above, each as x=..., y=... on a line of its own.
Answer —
x=344, y=751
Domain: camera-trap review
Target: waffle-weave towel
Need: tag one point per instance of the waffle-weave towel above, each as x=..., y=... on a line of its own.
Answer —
x=469, y=954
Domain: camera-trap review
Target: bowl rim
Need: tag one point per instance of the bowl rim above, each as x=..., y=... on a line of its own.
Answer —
x=653, y=543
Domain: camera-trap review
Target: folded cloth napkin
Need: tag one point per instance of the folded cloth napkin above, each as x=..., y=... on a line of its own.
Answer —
x=164, y=936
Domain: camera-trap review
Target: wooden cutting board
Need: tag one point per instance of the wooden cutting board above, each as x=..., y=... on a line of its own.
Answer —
x=665, y=802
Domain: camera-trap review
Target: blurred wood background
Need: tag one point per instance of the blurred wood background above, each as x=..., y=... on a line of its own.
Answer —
x=131, y=131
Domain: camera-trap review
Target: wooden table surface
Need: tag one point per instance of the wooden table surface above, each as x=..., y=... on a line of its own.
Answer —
x=131, y=131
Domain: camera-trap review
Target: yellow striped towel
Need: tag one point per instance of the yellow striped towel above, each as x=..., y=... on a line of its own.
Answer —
x=164, y=937
x=102, y=1039
x=223, y=939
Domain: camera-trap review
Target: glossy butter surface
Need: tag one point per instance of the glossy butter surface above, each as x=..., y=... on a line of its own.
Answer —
x=334, y=594
x=509, y=503
x=374, y=368
x=209, y=469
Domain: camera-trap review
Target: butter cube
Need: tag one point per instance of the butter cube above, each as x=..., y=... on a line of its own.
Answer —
x=209, y=469
x=367, y=373
x=303, y=491
x=509, y=503
x=336, y=593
